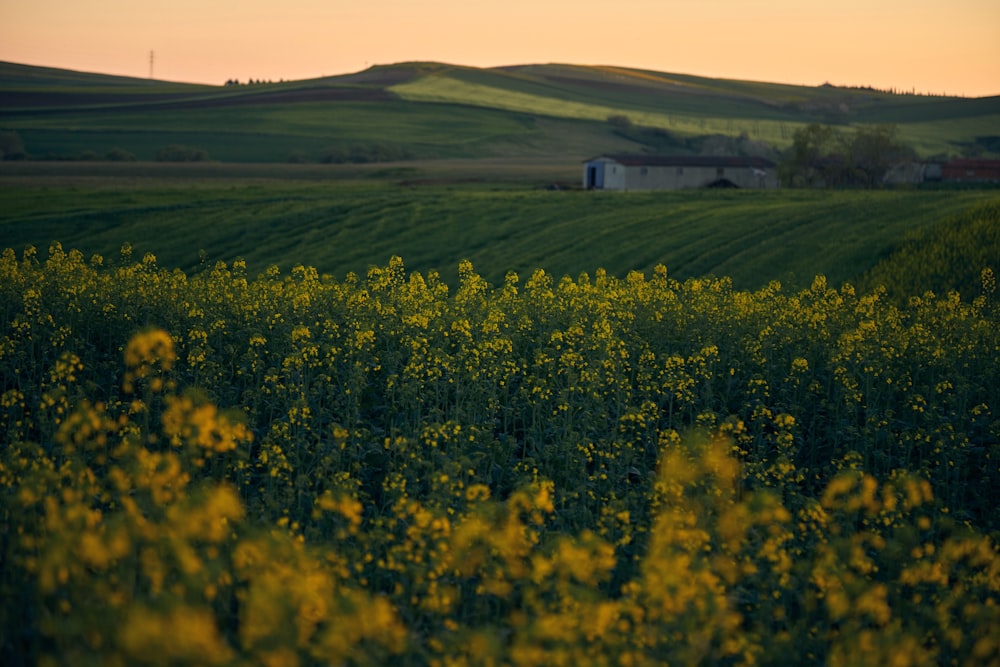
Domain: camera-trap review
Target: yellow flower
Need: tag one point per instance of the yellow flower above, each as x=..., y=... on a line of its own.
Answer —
x=183, y=634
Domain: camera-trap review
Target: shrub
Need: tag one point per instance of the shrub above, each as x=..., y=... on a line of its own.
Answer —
x=179, y=153
x=620, y=122
x=11, y=146
x=117, y=154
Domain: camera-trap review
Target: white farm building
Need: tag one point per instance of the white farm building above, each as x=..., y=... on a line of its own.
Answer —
x=674, y=172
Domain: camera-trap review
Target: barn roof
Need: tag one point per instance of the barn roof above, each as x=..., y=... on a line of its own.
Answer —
x=686, y=160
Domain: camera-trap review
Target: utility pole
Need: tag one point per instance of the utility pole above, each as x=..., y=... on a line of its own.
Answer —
x=150, y=64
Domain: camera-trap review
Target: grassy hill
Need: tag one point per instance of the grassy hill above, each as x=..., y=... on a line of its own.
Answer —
x=433, y=111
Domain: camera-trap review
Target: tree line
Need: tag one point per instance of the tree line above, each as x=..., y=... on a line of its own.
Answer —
x=250, y=82
x=821, y=155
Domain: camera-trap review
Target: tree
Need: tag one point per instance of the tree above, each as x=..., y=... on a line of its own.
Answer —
x=873, y=150
x=811, y=147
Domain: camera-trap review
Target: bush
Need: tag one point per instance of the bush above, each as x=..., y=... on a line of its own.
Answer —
x=11, y=146
x=117, y=154
x=179, y=153
x=620, y=122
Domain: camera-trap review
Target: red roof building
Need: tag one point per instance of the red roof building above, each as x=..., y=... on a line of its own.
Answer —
x=971, y=171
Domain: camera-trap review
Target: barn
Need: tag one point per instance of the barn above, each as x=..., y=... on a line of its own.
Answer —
x=971, y=171
x=675, y=172
x=959, y=170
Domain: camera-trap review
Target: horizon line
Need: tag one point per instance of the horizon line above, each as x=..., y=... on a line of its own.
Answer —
x=893, y=90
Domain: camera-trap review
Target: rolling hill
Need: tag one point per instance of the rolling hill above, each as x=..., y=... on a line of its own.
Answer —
x=434, y=111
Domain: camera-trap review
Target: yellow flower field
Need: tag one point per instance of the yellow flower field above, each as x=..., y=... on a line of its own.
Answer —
x=294, y=470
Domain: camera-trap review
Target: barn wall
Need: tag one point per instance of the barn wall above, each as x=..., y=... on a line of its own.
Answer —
x=905, y=173
x=614, y=176
x=603, y=174
x=607, y=174
x=679, y=177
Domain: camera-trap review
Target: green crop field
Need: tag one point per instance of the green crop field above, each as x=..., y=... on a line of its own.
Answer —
x=341, y=225
x=429, y=110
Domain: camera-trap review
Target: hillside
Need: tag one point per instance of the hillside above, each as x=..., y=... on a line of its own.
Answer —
x=433, y=111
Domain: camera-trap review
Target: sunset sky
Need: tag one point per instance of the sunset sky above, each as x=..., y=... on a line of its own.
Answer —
x=939, y=46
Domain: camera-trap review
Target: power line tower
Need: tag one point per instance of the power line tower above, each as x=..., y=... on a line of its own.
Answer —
x=150, y=64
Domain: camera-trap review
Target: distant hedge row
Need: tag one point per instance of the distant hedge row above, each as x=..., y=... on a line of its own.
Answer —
x=180, y=153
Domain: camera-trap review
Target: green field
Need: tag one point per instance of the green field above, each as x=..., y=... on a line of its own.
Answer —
x=430, y=110
x=434, y=220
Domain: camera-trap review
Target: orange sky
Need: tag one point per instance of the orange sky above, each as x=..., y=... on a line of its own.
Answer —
x=935, y=46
